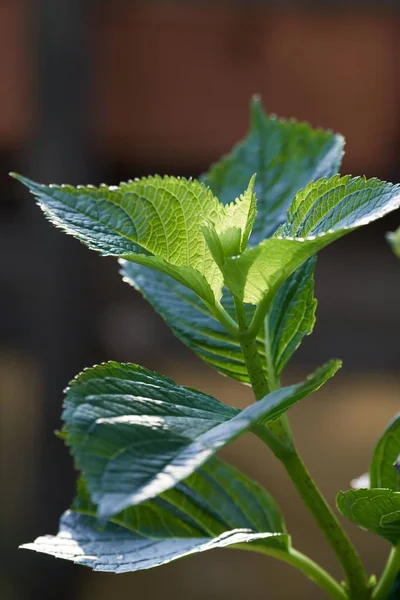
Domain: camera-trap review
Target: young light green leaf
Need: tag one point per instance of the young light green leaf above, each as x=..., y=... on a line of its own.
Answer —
x=260, y=272
x=214, y=507
x=238, y=216
x=229, y=236
x=320, y=214
x=155, y=221
x=135, y=434
x=383, y=473
x=286, y=155
x=394, y=240
x=374, y=509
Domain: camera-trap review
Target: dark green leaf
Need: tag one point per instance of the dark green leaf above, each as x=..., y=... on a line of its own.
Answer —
x=214, y=499
x=215, y=507
x=291, y=318
x=292, y=315
x=374, y=509
x=383, y=473
x=135, y=434
x=190, y=320
x=286, y=156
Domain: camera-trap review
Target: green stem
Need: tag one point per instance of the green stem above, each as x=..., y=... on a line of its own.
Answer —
x=261, y=388
x=240, y=313
x=272, y=378
x=389, y=575
x=311, y=570
x=311, y=495
x=254, y=365
x=328, y=523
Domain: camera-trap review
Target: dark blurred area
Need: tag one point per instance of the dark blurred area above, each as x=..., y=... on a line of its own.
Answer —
x=101, y=91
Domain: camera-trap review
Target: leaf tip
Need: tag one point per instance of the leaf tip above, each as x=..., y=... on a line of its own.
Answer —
x=18, y=177
x=29, y=183
x=252, y=182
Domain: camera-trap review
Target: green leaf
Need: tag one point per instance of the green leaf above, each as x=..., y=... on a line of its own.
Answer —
x=215, y=507
x=155, y=221
x=113, y=549
x=190, y=320
x=286, y=155
x=394, y=240
x=374, y=509
x=383, y=473
x=339, y=204
x=291, y=318
x=260, y=272
x=292, y=315
x=214, y=499
x=135, y=434
x=236, y=224
x=320, y=214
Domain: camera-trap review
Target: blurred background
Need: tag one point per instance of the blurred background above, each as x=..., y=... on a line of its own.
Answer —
x=100, y=91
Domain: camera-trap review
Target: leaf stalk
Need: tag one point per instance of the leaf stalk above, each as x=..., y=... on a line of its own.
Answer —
x=311, y=570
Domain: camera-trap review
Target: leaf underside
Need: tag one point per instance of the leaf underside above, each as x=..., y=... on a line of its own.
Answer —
x=215, y=507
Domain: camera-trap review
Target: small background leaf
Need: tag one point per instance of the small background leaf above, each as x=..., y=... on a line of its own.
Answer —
x=383, y=473
x=377, y=510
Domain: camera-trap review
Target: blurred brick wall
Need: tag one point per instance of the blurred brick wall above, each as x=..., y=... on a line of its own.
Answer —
x=172, y=81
